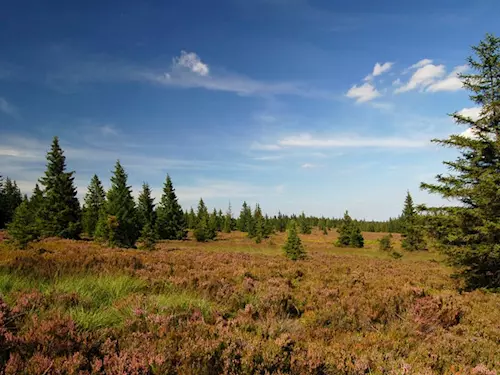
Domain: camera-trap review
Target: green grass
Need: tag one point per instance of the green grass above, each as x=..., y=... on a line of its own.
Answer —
x=181, y=302
x=100, y=290
x=11, y=282
x=94, y=319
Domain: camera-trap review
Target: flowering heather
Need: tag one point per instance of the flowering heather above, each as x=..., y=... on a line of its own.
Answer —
x=232, y=306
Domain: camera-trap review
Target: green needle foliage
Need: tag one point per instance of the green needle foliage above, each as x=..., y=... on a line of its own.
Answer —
x=10, y=199
x=305, y=227
x=204, y=230
x=413, y=236
x=293, y=247
x=146, y=216
x=118, y=221
x=60, y=213
x=171, y=223
x=23, y=228
x=95, y=200
x=349, y=233
x=469, y=232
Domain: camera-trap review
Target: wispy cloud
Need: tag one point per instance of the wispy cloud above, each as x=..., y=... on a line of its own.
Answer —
x=8, y=108
x=308, y=166
x=306, y=140
x=264, y=146
x=363, y=93
x=188, y=70
x=379, y=69
x=268, y=157
x=431, y=78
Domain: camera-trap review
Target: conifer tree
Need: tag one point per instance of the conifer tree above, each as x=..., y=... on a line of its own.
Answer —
x=305, y=227
x=94, y=203
x=470, y=231
x=170, y=224
x=118, y=221
x=60, y=213
x=191, y=219
x=259, y=225
x=281, y=222
x=10, y=199
x=413, y=237
x=23, y=228
x=293, y=246
x=145, y=208
x=244, y=222
x=349, y=233
x=228, y=220
x=203, y=232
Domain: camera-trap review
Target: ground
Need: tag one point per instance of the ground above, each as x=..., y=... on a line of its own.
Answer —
x=235, y=307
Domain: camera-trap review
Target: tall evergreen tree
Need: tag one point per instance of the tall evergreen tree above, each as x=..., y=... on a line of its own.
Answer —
x=60, y=214
x=470, y=231
x=413, y=236
x=93, y=204
x=145, y=207
x=118, y=222
x=191, y=219
x=10, y=199
x=170, y=224
x=244, y=221
x=293, y=246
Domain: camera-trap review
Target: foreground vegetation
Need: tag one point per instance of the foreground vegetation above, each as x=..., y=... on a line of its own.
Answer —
x=237, y=307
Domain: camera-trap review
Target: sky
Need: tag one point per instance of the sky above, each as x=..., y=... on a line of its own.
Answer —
x=318, y=106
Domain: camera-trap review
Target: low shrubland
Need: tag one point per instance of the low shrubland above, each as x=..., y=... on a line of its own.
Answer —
x=236, y=307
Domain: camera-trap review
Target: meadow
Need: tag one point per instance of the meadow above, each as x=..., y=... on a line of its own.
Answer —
x=232, y=306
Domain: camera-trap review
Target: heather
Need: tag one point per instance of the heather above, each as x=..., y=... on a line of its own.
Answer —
x=233, y=306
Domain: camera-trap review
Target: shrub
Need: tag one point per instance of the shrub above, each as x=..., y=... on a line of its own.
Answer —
x=293, y=246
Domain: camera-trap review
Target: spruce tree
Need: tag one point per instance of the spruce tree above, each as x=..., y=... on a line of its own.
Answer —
x=228, y=220
x=203, y=232
x=10, y=199
x=191, y=219
x=145, y=208
x=23, y=228
x=293, y=247
x=244, y=221
x=60, y=213
x=305, y=227
x=259, y=225
x=118, y=223
x=349, y=233
x=93, y=204
x=170, y=224
x=413, y=236
x=469, y=232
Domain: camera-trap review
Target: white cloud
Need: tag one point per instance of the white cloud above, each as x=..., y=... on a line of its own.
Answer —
x=421, y=64
x=473, y=113
x=363, y=93
x=191, y=61
x=469, y=133
x=268, y=157
x=397, y=82
x=264, y=146
x=8, y=108
x=431, y=78
x=423, y=77
x=379, y=69
x=451, y=83
x=308, y=166
x=308, y=141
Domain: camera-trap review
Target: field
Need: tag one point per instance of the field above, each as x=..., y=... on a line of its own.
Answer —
x=234, y=307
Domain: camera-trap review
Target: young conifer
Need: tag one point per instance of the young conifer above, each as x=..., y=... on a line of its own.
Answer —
x=60, y=213
x=170, y=224
x=95, y=200
x=293, y=247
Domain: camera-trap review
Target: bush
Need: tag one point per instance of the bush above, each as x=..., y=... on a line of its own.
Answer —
x=385, y=243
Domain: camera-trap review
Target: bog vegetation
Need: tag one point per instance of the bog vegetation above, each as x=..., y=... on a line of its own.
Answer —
x=120, y=286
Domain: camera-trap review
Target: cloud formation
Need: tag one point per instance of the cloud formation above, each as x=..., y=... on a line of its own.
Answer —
x=379, y=69
x=192, y=62
x=363, y=93
x=429, y=77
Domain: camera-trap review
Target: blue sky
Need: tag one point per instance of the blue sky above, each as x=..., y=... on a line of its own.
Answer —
x=315, y=106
